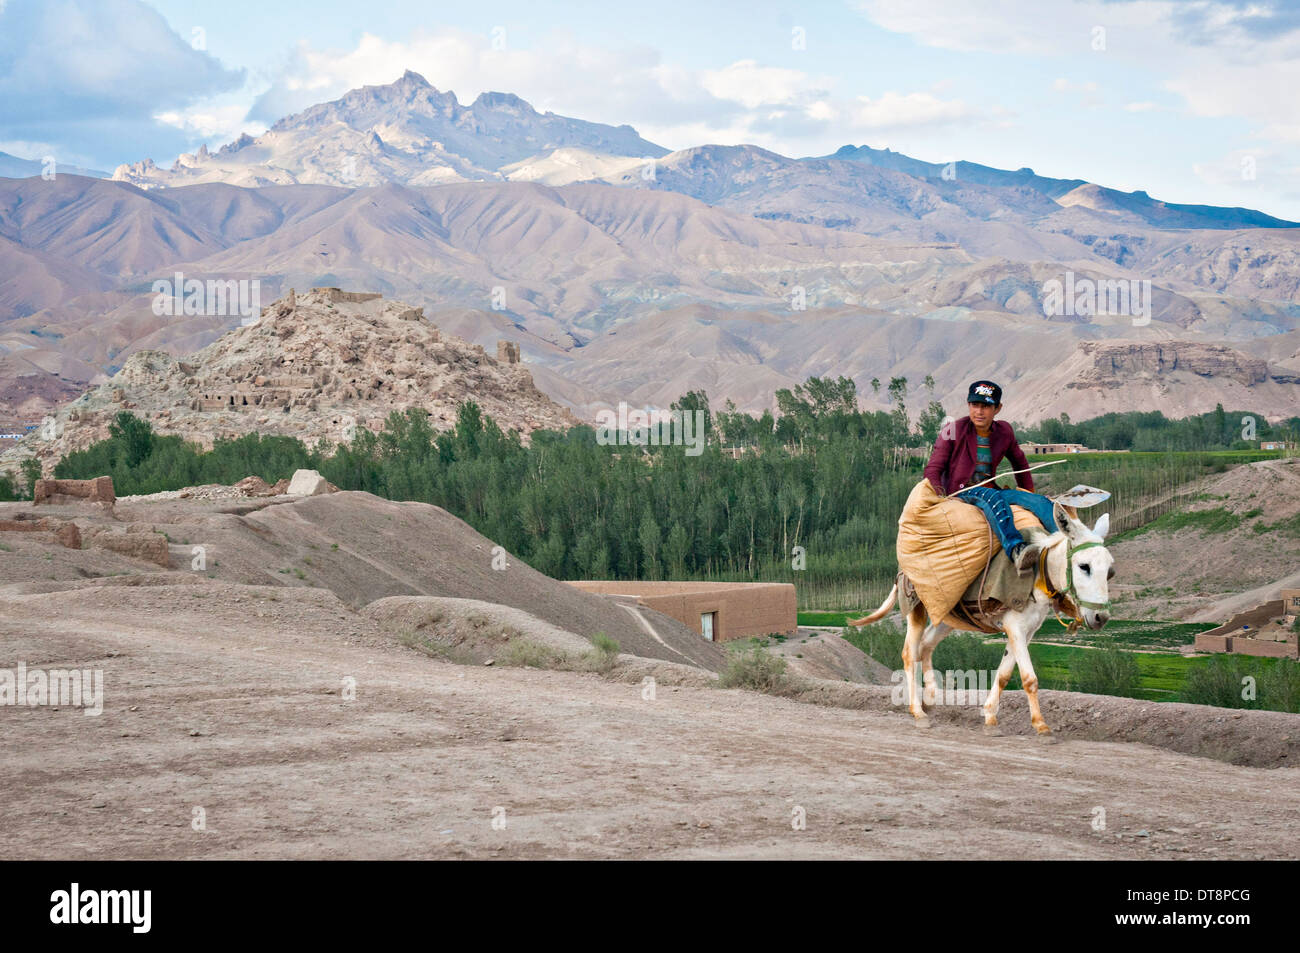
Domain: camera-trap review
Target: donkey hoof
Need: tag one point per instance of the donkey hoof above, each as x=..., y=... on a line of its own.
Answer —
x=993, y=731
x=923, y=722
x=1045, y=737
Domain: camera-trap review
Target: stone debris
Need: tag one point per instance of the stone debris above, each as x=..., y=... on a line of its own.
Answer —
x=309, y=483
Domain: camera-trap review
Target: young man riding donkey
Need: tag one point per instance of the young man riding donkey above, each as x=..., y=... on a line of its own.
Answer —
x=1070, y=564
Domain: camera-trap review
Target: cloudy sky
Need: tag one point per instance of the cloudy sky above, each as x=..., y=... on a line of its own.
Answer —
x=1191, y=100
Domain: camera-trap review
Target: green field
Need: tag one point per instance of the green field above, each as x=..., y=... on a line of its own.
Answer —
x=1133, y=634
x=1138, y=654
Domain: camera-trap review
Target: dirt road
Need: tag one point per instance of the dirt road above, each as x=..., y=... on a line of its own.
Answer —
x=232, y=699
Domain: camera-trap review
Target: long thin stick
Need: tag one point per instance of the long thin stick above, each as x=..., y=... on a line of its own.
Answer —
x=1036, y=466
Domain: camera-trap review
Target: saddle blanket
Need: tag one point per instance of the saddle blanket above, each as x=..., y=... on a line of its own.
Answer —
x=944, y=545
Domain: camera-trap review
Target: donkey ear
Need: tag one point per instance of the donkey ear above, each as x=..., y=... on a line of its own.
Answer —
x=1103, y=525
x=1062, y=518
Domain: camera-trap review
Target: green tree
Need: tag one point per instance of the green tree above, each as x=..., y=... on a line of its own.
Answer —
x=692, y=401
x=901, y=423
x=134, y=435
x=31, y=468
x=675, y=550
x=649, y=537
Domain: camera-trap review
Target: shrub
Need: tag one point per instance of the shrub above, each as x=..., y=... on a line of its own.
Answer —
x=604, y=653
x=882, y=641
x=1279, y=687
x=754, y=668
x=604, y=644
x=1219, y=682
x=965, y=652
x=433, y=648
x=526, y=653
x=1105, y=672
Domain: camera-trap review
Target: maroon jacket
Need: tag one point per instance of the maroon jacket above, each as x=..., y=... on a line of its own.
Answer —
x=952, y=464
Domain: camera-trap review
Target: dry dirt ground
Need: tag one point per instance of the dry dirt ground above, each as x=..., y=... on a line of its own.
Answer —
x=309, y=692
x=232, y=699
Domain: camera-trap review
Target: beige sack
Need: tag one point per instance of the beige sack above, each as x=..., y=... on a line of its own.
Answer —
x=944, y=544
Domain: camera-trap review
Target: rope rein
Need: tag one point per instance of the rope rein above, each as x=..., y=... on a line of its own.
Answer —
x=1043, y=584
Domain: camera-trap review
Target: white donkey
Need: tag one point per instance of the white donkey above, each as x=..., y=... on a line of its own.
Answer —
x=1073, y=577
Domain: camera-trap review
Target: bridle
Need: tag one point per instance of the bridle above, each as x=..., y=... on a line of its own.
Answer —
x=1043, y=585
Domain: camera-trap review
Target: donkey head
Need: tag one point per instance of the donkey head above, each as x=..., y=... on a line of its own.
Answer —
x=1091, y=566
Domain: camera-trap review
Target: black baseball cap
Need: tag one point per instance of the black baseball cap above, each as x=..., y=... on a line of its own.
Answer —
x=984, y=392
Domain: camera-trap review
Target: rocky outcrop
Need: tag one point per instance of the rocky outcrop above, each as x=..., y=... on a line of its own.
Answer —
x=1177, y=377
x=1117, y=364
x=317, y=366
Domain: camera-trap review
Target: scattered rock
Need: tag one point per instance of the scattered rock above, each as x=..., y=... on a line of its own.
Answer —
x=253, y=486
x=309, y=483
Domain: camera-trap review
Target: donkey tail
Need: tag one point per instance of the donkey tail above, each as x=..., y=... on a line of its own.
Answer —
x=879, y=613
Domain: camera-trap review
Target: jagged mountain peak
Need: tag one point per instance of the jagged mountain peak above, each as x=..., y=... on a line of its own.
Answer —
x=407, y=131
x=495, y=100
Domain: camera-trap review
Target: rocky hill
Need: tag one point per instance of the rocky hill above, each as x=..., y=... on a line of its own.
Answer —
x=314, y=366
x=1102, y=377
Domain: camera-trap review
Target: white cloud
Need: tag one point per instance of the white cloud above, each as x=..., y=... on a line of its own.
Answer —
x=822, y=110
x=1005, y=26
x=212, y=123
x=100, y=60
x=1225, y=59
x=752, y=85
x=1143, y=107
x=904, y=110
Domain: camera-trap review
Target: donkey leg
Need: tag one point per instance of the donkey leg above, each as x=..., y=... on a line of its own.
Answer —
x=911, y=652
x=1005, y=668
x=932, y=636
x=1019, y=641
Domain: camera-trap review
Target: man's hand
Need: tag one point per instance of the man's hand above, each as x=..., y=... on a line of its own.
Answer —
x=937, y=489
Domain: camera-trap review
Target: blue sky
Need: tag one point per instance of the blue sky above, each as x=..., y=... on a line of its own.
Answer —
x=1191, y=100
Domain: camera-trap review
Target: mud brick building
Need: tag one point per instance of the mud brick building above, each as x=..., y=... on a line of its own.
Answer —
x=1262, y=631
x=719, y=611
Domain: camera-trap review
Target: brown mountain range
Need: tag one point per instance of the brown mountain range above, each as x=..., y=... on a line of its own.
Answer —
x=729, y=269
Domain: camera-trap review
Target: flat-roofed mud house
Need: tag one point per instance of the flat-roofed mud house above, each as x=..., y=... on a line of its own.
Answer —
x=719, y=611
x=1264, y=630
